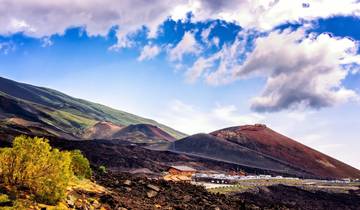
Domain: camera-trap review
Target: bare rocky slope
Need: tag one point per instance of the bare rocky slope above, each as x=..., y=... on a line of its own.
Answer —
x=260, y=147
x=266, y=141
x=206, y=145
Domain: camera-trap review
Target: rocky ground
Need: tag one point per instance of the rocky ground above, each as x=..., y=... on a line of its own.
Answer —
x=141, y=193
x=290, y=197
x=124, y=191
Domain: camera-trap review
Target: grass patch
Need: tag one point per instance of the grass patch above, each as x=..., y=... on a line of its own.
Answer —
x=244, y=185
x=86, y=185
x=4, y=198
x=229, y=189
x=67, y=117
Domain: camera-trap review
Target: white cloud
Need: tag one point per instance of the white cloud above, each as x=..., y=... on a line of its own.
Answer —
x=216, y=41
x=191, y=119
x=20, y=25
x=7, y=47
x=201, y=64
x=206, y=33
x=44, y=18
x=46, y=42
x=39, y=18
x=149, y=52
x=229, y=115
x=229, y=58
x=187, y=45
x=265, y=14
x=301, y=71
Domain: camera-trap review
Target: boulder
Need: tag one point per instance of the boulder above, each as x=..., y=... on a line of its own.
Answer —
x=151, y=194
x=153, y=187
x=127, y=182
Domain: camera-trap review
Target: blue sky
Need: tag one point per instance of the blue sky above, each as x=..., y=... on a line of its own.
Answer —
x=199, y=65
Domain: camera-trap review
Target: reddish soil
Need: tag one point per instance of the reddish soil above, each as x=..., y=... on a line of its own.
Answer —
x=266, y=141
x=209, y=146
x=101, y=130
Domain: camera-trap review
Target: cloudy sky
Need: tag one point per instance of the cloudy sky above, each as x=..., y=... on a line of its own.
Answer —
x=199, y=65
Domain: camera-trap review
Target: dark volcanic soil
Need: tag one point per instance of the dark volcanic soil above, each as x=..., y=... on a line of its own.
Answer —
x=288, y=197
x=132, y=193
x=120, y=155
x=125, y=156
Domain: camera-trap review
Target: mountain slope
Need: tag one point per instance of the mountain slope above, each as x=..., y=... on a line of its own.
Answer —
x=142, y=132
x=260, y=147
x=101, y=130
x=136, y=133
x=262, y=139
x=60, y=114
x=210, y=146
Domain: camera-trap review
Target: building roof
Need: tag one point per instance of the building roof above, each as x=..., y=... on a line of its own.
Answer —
x=183, y=168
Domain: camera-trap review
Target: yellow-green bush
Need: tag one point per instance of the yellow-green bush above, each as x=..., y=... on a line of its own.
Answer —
x=80, y=165
x=32, y=164
x=102, y=169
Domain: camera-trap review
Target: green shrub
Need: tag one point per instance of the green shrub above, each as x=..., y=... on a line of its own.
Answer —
x=102, y=169
x=32, y=164
x=80, y=165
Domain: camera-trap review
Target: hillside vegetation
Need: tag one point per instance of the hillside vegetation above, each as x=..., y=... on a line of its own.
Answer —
x=59, y=114
x=43, y=174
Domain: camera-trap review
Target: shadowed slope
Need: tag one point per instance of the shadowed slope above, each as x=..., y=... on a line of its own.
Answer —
x=143, y=132
x=206, y=145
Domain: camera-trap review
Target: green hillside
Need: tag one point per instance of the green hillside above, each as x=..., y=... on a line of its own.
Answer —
x=62, y=113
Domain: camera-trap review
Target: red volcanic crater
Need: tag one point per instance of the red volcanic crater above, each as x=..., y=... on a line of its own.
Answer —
x=266, y=141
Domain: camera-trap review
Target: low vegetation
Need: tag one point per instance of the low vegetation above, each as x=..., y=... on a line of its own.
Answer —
x=80, y=165
x=102, y=169
x=31, y=165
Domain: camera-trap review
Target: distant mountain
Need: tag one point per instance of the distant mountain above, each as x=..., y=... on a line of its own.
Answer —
x=41, y=111
x=143, y=132
x=101, y=130
x=258, y=146
x=137, y=133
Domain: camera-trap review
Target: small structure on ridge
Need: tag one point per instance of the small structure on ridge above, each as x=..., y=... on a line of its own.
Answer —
x=182, y=170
